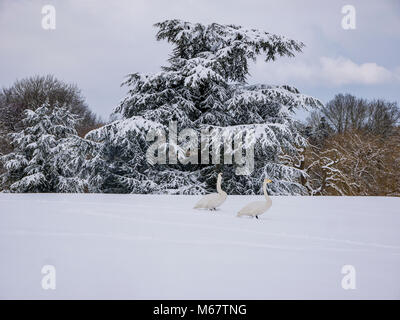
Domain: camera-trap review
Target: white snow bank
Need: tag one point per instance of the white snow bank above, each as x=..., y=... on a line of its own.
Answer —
x=145, y=246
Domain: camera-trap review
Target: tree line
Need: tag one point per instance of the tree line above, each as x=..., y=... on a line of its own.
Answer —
x=354, y=148
x=52, y=142
x=353, y=144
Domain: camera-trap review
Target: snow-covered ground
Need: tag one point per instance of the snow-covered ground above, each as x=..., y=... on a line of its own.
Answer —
x=146, y=246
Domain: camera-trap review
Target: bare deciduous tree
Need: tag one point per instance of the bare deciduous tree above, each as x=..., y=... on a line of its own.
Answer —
x=354, y=163
x=32, y=93
x=347, y=112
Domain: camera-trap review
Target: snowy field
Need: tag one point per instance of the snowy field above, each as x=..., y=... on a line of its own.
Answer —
x=158, y=247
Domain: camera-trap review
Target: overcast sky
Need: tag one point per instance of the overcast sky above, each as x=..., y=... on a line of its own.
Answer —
x=96, y=43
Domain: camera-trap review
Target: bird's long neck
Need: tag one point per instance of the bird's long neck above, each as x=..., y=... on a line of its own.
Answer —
x=219, y=180
x=265, y=191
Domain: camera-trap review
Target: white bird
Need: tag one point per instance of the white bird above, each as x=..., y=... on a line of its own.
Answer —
x=254, y=209
x=213, y=200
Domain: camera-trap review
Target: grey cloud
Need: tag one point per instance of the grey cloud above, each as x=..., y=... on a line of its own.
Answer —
x=96, y=43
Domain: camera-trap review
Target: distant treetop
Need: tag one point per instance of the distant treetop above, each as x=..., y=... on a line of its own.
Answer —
x=229, y=47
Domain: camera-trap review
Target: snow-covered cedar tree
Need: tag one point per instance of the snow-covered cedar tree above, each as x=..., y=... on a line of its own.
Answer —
x=204, y=87
x=47, y=153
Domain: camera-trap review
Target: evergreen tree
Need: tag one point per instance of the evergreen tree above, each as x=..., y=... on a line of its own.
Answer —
x=44, y=158
x=204, y=87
